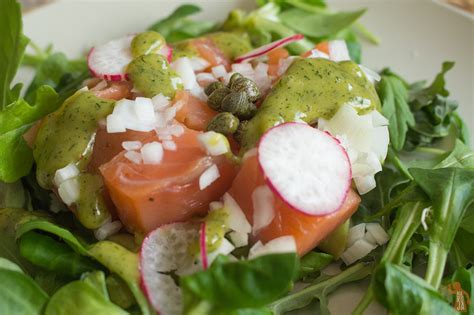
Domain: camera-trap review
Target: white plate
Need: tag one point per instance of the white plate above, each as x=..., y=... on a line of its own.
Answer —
x=416, y=37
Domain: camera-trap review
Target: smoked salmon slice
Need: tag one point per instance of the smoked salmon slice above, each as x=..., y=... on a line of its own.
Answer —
x=193, y=112
x=150, y=195
x=308, y=231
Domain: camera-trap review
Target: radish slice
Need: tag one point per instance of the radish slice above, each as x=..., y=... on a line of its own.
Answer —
x=202, y=245
x=307, y=168
x=166, y=250
x=110, y=60
x=265, y=49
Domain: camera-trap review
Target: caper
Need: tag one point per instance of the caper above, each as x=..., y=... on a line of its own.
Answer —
x=241, y=130
x=215, y=99
x=212, y=87
x=224, y=123
x=247, y=111
x=234, y=78
x=237, y=103
x=247, y=86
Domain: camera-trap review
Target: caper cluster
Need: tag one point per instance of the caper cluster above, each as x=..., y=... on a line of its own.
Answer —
x=235, y=102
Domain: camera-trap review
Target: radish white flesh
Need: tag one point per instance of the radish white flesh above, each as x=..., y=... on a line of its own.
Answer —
x=109, y=61
x=164, y=250
x=307, y=168
x=268, y=47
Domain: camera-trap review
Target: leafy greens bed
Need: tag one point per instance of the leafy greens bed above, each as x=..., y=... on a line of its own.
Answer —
x=424, y=195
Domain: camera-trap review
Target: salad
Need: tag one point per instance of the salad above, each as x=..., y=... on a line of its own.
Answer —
x=226, y=167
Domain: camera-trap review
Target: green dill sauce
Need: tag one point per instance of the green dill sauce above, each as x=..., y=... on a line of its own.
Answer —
x=146, y=43
x=152, y=75
x=91, y=209
x=67, y=135
x=231, y=44
x=216, y=226
x=312, y=89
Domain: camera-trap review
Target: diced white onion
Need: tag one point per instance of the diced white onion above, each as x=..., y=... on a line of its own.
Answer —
x=356, y=233
x=216, y=205
x=69, y=191
x=199, y=64
x=263, y=211
x=219, y=71
x=144, y=109
x=225, y=248
x=237, y=221
x=115, y=124
x=133, y=156
x=205, y=78
x=65, y=173
x=371, y=75
x=169, y=145
x=377, y=231
x=239, y=239
x=184, y=68
x=152, y=153
x=160, y=102
x=243, y=68
x=131, y=145
x=369, y=238
x=214, y=143
x=280, y=245
x=208, y=177
x=108, y=229
x=365, y=184
x=338, y=50
x=315, y=53
x=177, y=130
x=358, y=250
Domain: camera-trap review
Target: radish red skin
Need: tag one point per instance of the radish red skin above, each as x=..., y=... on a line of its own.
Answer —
x=280, y=195
x=202, y=242
x=268, y=47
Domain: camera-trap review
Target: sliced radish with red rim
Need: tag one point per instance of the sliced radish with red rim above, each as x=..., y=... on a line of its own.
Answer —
x=109, y=61
x=307, y=168
x=166, y=250
x=265, y=49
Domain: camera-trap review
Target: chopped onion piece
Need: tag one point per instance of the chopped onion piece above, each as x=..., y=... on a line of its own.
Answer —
x=243, y=68
x=371, y=75
x=184, y=68
x=365, y=184
x=356, y=233
x=237, y=221
x=263, y=211
x=338, y=50
x=280, y=245
x=133, y=156
x=65, y=173
x=369, y=238
x=225, y=248
x=239, y=239
x=177, y=130
x=219, y=71
x=208, y=177
x=69, y=191
x=216, y=205
x=108, y=229
x=205, y=78
x=169, y=145
x=199, y=64
x=358, y=250
x=377, y=231
x=115, y=124
x=160, y=102
x=152, y=153
x=315, y=53
x=214, y=143
x=144, y=109
x=131, y=145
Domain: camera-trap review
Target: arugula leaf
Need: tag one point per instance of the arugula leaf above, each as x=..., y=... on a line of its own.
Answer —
x=13, y=44
x=321, y=24
x=44, y=251
x=239, y=285
x=394, y=96
x=320, y=290
x=19, y=294
x=405, y=293
x=54, y=71
x=113, y=256
x=177, y=26
x=312, y=263
x=449, y=202
x=87, y=296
